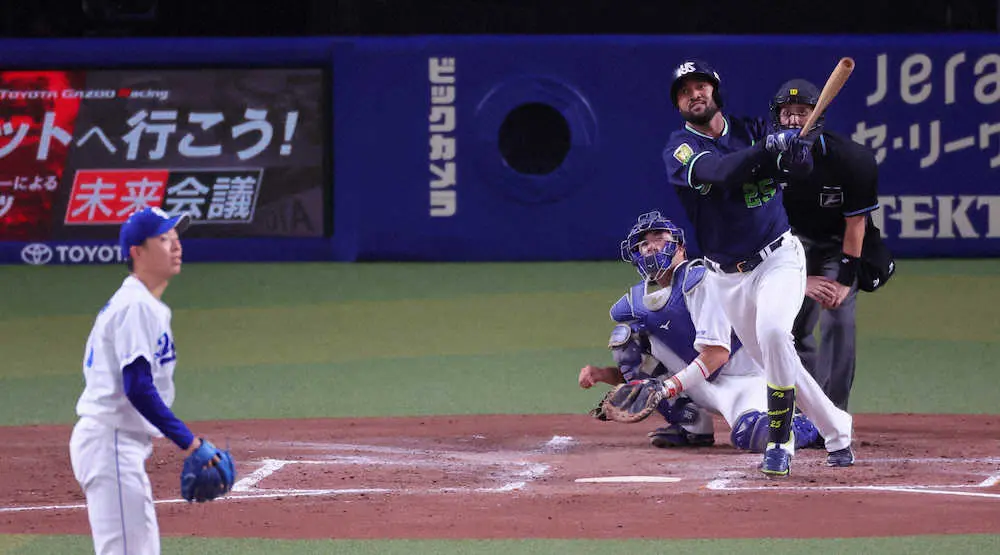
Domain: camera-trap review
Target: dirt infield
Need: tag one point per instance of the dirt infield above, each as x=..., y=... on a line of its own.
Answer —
x=515, y=477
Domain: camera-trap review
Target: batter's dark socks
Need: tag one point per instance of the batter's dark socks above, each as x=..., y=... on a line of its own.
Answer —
x=780, y=409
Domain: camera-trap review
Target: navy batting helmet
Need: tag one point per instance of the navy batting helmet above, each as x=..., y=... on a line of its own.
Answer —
x=696, y=68
x=797, y=91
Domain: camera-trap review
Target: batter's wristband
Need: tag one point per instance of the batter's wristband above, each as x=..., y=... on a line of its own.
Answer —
x=848, y=269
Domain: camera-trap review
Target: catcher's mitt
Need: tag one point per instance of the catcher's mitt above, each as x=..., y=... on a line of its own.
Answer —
x=598, y=411
x=203, y=478
x=633, y=401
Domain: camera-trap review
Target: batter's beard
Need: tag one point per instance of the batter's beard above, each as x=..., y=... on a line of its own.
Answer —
x=704, y=118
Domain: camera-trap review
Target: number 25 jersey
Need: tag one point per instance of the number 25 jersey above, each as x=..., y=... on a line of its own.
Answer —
x=732, y=221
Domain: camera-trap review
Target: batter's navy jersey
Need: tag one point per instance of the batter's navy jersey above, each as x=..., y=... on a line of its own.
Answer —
x=733, y=220
x=843, y=183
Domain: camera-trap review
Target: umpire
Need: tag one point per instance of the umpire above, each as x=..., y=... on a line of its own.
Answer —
x=829, y=210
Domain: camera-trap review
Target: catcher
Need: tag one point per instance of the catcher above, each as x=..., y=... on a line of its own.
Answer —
x=662, y=366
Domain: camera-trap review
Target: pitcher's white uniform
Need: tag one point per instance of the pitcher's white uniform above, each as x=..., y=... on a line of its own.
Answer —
x=111, y=441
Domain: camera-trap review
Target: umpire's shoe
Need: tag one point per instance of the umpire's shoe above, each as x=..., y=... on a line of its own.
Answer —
x=841, y=457
x=676, y=436
x=777, y=461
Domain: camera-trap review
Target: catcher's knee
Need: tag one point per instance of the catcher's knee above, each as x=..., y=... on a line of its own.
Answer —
x=750, y=431
x=806, y=433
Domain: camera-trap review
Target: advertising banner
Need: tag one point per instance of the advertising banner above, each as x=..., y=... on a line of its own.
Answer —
x=244, y=151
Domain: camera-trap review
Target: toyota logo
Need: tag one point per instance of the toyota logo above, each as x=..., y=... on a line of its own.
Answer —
x=36, y=254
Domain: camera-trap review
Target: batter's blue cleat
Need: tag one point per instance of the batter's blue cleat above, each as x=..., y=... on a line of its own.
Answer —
x=842, y=457
x=777, y=461
x=676, y=436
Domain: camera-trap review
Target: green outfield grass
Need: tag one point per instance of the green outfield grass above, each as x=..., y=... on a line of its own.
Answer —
x=320, y=340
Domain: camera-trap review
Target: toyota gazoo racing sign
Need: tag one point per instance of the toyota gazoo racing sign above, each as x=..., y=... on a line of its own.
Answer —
x=37, y=254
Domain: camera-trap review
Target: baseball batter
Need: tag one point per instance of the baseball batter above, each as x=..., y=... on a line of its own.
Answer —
x=128, y=367
x=654, y=317
x=725, y=179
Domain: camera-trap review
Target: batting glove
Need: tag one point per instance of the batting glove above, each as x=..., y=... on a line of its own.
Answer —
x=780, y=141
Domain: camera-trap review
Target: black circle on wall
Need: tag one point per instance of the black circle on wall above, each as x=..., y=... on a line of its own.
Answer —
x=534, y=139
x=549, y=139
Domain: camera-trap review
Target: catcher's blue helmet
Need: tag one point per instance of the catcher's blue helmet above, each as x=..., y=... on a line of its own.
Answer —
x=695, y=68
x=797, y=91
x=651, y=267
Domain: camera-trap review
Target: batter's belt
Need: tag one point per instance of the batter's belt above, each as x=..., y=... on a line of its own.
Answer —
x=748, y=264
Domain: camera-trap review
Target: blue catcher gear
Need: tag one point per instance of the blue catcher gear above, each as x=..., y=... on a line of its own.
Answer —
x=751, y=432
x=651, y=267
x=681, y=410
x=627, y=344
x=796, y=91
x=696, y=68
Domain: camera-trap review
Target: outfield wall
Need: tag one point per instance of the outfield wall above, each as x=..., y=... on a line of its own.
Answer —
x=453, y=148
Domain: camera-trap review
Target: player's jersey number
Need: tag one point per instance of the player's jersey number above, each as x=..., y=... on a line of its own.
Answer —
x=759, y=193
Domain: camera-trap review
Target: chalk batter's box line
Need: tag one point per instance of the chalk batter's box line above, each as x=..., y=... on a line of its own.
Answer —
x=515, y=473
x=725, y=483
x=515, y=476
x=245, y=490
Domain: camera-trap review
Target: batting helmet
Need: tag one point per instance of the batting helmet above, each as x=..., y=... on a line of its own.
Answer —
x=797, y=91
x=651, y=267
x=696, y=68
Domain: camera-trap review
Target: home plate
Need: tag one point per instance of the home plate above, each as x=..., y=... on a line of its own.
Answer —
x=628, y=479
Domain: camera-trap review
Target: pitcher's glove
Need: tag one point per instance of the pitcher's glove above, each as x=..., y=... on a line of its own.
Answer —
x=208, y=473
x=633, y=401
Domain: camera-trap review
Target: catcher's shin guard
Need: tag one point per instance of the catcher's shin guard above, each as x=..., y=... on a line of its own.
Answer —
x=780, y=410
x=680, y=410
x=806, y=434
x=751, y=432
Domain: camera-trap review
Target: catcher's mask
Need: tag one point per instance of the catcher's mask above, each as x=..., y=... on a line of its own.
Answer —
x=795, y=91
x=651, y=266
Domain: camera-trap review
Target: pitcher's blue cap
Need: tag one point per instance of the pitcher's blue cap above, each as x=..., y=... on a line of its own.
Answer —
x=146, y=223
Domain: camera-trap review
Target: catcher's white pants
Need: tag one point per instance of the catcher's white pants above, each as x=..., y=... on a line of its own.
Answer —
x=109, y=464
x=761, y=306
x=739, y=387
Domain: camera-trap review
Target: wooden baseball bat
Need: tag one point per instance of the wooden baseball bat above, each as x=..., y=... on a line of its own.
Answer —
x=833, y=85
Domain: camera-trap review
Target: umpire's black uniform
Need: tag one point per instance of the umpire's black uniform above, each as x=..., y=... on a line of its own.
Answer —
x=844, y=182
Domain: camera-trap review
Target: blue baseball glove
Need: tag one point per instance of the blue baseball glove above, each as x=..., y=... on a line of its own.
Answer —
x=208, y=473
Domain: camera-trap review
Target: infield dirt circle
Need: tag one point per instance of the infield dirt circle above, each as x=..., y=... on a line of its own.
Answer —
x=514, y=476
